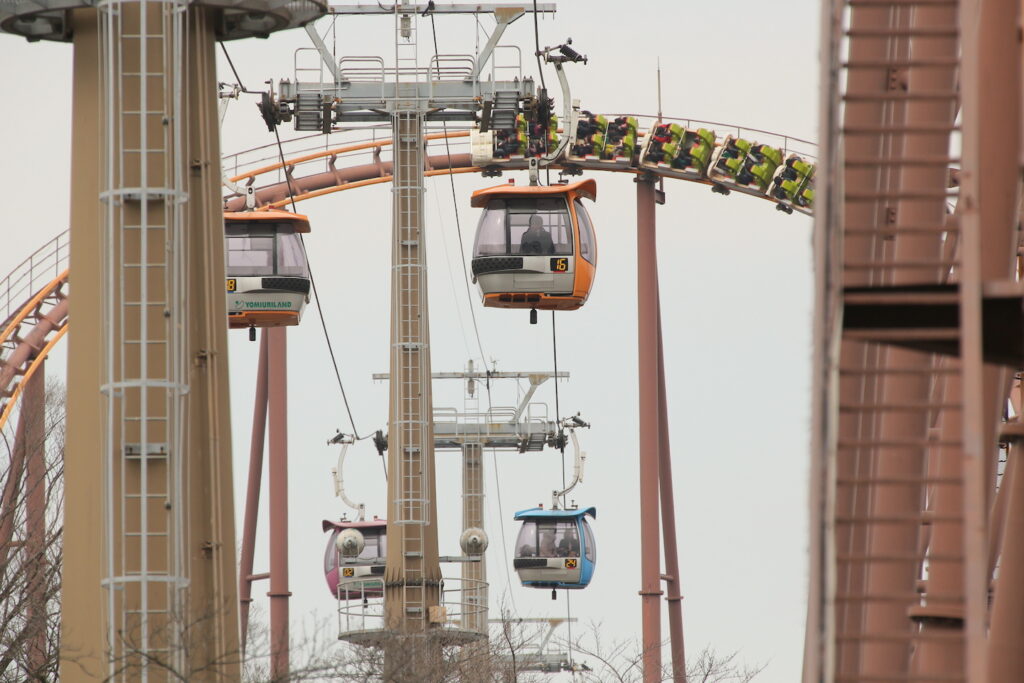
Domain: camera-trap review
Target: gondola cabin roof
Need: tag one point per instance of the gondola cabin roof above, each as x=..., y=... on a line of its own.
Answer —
x=298, y=221
x=371, y=524
x=583, y=188
x=541, y=513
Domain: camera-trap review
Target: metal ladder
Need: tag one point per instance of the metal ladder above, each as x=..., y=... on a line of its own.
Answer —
x=143, y=388
x=474, y=574
x=411, y=346
x=407, y=70
x=898, y=510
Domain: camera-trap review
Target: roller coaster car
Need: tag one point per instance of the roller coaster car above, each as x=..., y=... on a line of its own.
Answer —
x=598, y=140
x=685, y=150
x=351, y=578
x=267, y=273
x=589, y=142
x=742, y=163
x=555, y=548
x=793, y=183
x=535, y=246
x=620, y=141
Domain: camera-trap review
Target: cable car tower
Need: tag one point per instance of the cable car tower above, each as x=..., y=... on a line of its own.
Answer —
x=526, y=427
x=408, y=96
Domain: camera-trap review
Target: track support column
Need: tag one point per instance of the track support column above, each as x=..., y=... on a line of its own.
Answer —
x=277, y=345
x=668, y=520
x=36, y=538
x=647, y=351
x=252, y=494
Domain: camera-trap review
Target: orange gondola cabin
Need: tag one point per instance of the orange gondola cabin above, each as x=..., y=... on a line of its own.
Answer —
x=267, y=273
x=535, y=246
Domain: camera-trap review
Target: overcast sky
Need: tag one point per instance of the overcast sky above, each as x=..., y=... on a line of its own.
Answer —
x=736, y=289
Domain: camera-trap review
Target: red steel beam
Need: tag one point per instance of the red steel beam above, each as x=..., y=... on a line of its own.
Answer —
x=11, y=496
x=33, y=408
x=668, y=521
x=647, y=351
x=990, y=80
x=993, y=99
x=278, y=476
x=319, y=181
x=252, y=493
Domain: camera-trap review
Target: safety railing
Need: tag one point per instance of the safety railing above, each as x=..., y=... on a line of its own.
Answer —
x=312, y=153
x=46, y=263
x=308, y=78
x=362, y=69
x=788, y=143
x=507, y=69
x=361, y=607
x=451, y=67
x=534, y=423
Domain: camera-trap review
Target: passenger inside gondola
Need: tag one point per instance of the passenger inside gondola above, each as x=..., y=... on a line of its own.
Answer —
x=506, y=224
x=550, y=539
x=536, y=240
x=569, y=546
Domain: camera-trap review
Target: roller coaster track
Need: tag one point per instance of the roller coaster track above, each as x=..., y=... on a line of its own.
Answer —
x=310, y=173
x=34, y=306
x=34, y=297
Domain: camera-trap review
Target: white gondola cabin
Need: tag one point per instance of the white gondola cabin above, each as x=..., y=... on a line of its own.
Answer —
x=267, y=273
x=535, y=246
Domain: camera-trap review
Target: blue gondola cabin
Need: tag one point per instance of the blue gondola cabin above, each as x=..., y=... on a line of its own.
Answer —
x=555, y=548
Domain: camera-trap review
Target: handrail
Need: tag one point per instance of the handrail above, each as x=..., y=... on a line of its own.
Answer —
x=21, y=283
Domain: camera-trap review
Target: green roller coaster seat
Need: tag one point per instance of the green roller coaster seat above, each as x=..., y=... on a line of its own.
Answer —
x=763, y=173
x=772, y=154
x=701, y=152
x=523, y=142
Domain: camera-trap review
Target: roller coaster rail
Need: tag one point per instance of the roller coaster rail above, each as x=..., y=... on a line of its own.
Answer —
x=314, y=170
x=25, y=279
x=34, y=304
x=308, y=163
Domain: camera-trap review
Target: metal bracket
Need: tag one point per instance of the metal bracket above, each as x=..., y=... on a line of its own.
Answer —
x=325, y=54
x=503, y=16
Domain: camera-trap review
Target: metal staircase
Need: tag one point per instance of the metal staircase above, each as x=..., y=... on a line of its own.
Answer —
x=503, y=113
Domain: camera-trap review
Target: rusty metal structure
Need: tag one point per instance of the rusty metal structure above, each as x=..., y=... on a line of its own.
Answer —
x=915, y=544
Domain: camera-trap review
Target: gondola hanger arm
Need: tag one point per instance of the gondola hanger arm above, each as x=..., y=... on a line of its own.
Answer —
x=570, y=110
x=339, y=480
x=571, y=424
